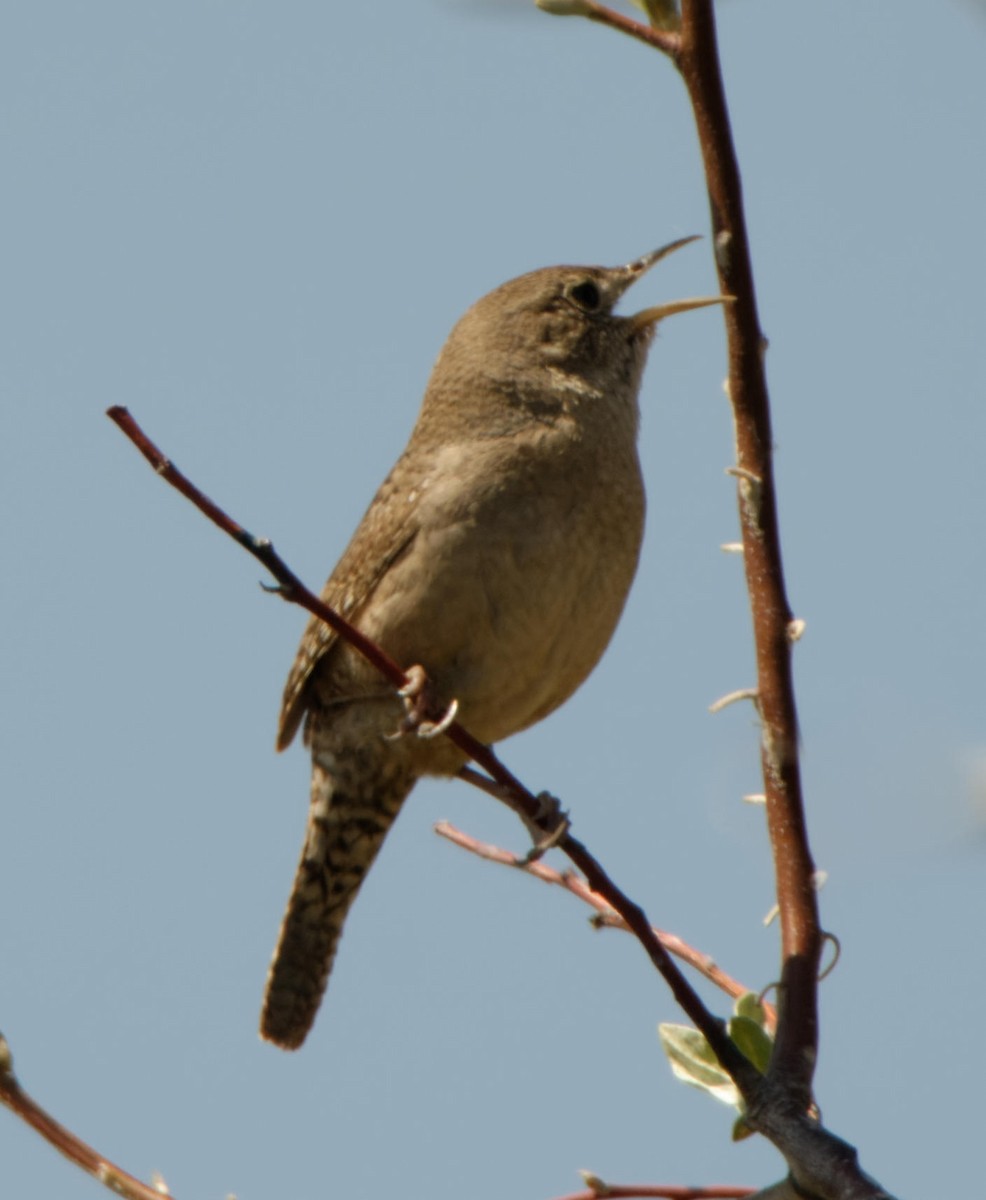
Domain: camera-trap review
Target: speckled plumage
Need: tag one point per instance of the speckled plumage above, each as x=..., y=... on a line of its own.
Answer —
x=497, y=554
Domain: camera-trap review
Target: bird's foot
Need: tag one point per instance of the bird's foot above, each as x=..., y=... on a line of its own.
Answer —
x=422, y=714
x=552, y=814
x=548, y=826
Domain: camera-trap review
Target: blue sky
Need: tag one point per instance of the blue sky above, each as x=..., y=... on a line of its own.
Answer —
x=254, y=224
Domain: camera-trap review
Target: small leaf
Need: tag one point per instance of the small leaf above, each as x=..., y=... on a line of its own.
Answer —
x=593, y=1182
x=748, y=1005
x=694, y=1063
x=6, y=1058
x=751, y=1041
x=747, y=1028
x=741, y=1131
x=565, y=8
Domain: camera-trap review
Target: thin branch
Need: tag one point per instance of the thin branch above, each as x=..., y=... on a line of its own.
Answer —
x=661, y=1191
x=606, y=917
x=663, y=39
x=289, y=587
x=659, y=39
x=797, y=1036
x=67, y=1143
x=739, y=1068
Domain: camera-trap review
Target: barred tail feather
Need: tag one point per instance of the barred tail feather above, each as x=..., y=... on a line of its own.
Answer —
x=351, y=811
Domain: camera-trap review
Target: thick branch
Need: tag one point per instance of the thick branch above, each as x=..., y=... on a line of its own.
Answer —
x=797, y=1037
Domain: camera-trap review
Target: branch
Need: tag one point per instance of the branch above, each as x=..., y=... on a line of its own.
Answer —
x=692, y=47
x=510, y=789
x=659, y=39
x=598, y=1190
x=664, y=40
x=66, y=1142
x=606, y=918
x=822, y=1166
x=796, y=1048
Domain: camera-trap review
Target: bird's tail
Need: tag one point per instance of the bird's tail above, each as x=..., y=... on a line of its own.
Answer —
x=352, y=808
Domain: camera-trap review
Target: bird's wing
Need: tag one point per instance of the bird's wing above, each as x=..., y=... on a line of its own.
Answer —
x=387, y=530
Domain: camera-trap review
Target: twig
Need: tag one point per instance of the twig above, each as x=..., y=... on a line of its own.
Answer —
x=732, y=698
x=659, y=39
x=746, y=1077
x=66, y=1142
x=662, y=1191
x=606, y=918
x=289, y=587
x=665, y=40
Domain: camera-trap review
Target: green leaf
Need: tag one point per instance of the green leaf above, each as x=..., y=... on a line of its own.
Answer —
x=748, y=1005
x=741, y=1131
x=694, y=1063
x=747, y=1028
x=751, y=1041
x=565, y=8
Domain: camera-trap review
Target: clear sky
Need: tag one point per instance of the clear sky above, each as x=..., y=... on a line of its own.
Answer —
x=254, y=224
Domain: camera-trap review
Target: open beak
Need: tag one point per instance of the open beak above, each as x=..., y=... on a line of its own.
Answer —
x=637, y=268
x=650, y=316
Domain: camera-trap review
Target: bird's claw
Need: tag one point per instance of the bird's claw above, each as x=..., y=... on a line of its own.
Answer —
x=550, y=811
x=419, y=702
x=431, y=729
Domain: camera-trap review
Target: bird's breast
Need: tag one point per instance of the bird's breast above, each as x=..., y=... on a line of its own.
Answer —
x=520, y=567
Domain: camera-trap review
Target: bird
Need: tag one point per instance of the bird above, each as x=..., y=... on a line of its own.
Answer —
x=495, y=559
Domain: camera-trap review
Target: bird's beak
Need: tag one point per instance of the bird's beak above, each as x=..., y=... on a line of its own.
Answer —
x=650, y=316
x=634, y=270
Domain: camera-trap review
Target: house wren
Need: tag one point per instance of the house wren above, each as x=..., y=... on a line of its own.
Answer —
x=497, y=555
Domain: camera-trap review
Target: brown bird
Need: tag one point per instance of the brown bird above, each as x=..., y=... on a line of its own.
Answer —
x=497, y=555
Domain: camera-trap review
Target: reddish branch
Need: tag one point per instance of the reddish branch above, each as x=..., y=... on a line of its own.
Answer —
x=606, y=916
x=66, y=1142
x=500, y=782
x=796, y=1048
x=694, y=51
x=821, y=1165
x=659, y=39
x=658, y=1191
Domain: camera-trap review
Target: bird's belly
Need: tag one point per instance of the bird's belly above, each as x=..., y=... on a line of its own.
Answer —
x=508, y=615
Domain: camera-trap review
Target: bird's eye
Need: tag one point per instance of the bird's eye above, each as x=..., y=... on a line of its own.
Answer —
x=586, y=295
